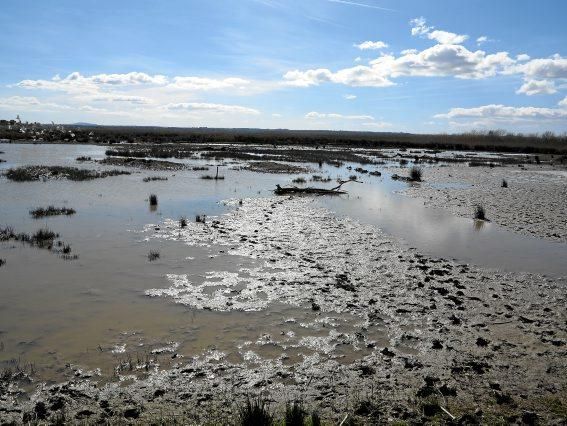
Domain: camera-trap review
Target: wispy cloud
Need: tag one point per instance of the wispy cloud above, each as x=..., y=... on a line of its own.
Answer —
x=369, y=6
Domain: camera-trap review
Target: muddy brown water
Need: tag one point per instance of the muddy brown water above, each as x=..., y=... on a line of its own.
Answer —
x=92, y=312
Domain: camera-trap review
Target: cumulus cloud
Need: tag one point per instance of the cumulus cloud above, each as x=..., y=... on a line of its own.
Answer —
x=77, y=83
x=420, y=28
x=313, y=115
x=445, y=37
x=371, y=45
x=563, y=103
x=505, y=113
x=522, y=57
x=545, y=68
x=209, y=107
x=537, y=87
x=359, y=75
x=440, y=60
x=481, y=39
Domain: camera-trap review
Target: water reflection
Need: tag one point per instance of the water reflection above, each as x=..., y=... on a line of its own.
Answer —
x=478, y=225
x=442, y=234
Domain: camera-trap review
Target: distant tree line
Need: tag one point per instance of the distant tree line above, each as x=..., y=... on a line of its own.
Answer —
x=492, y=140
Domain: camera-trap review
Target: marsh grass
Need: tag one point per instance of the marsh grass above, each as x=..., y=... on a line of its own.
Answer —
x=182, y=222
x=319, y=178
x=479, y=212
x=153, y=178
x=35, y=173
x=211, y=177
x=504, y=183
x=295, y=414
x=255, y=412
x=44, y=235
x=83, y=158
x=299, y=180
x=2, y=262
x=415, y=174
x=153, y=200
x=153, y=255
x=353, y=177
x=51, y=211
x=200, y=218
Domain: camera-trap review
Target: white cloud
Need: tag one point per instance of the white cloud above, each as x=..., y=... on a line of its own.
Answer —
x=209, y=107
x=115, y=97
x=522, y=57
x=441, y=60
x=546, y=68
x=445, y=37
x=371, y=45
x=563, y=103
x=359, y=75
x=28, y=103
x=537, y=87
x=420, y=28
x=481, y=39
x=313, y=115
x=357, y=59
x=506, y=113
x=203, y=83
x=350, y=97
x=77, y=83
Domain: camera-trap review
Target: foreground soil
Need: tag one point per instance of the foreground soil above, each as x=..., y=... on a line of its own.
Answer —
x=438, y=341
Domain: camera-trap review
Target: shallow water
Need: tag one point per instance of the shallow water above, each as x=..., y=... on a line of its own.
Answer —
x=92, y=311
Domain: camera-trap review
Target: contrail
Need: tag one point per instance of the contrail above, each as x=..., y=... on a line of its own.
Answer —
x=352, y=3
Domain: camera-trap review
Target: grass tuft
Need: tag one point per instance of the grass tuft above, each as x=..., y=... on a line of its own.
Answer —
x=294, y=414
x=415, y=174
x=153, y=200
x=35, y=173
x=153, y=255
x=2, y=262
x=182, y=222
x=299, y=180
x=44, y=235
x=152, y=178
x=479, y=213
x=504, y=183
x=255, y=412
x=51, y=211
x=200, y=218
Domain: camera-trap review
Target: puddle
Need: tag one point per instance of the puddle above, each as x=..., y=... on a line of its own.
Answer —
x=436, y=232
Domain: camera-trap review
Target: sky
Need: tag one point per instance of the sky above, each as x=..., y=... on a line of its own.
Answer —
x=424, y=66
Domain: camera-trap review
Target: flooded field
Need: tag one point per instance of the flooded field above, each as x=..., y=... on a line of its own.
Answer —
x=375, y=295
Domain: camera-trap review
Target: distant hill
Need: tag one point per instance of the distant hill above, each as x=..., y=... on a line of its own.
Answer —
x=82, y=124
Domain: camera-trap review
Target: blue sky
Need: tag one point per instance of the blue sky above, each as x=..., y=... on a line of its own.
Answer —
x=377, y=65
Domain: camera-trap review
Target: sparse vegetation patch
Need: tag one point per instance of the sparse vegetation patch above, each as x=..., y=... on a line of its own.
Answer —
x=153, y=178
x=51, y=211
x=479, y=213
x=35, y=173
x=153, y=255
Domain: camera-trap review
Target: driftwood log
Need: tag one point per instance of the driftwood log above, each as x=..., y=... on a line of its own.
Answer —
x=291, y=190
